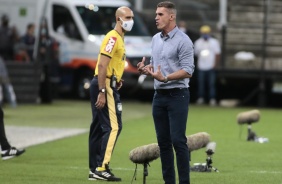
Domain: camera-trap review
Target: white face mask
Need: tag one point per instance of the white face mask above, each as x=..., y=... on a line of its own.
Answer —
x=127, y=25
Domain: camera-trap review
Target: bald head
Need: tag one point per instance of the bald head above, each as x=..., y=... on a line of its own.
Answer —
x=123, y=10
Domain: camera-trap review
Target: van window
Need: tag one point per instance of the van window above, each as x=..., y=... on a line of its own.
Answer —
x=103, y=20
x=63, y=23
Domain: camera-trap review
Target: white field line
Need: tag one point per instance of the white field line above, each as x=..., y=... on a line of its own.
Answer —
x=22, y=137
x=267, y=172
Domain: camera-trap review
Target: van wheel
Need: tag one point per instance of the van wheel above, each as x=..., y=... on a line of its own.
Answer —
x=82, y=85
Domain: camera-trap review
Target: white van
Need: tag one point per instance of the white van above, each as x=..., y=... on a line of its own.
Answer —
x=79, y=26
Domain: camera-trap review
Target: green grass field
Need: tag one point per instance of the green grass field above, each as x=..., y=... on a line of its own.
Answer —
x=65, y=161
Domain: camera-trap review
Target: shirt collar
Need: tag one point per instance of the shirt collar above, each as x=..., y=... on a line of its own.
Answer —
x=171, y=33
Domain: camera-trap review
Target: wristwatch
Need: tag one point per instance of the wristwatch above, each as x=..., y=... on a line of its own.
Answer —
x=103, y=90
x=165, y=79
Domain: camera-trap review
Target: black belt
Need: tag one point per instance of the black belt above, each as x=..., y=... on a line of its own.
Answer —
x=96, y=76
x=168, y=91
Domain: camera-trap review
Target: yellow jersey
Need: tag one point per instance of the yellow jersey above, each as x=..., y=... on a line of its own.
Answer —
x=113, y=47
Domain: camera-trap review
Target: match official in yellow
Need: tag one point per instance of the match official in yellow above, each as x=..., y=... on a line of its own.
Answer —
x=105, y=99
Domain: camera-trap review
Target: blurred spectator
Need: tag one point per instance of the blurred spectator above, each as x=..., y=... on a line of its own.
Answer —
x=20, y=48
x=47, y=55
x=207, y=49
x=193, y=35
x=21, y=54
x=48, y=50
x=8, y=37
x=6, y=85
x=28, y=40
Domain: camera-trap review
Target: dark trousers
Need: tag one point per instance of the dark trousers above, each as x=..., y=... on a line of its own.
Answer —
x=170, y=113
x=105, y=127
x=3, y=139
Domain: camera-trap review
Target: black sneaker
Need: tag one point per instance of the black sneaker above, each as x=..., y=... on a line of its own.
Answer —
x=11, y=153
x=92, y=176
x=108, y=169
x=106, y=175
